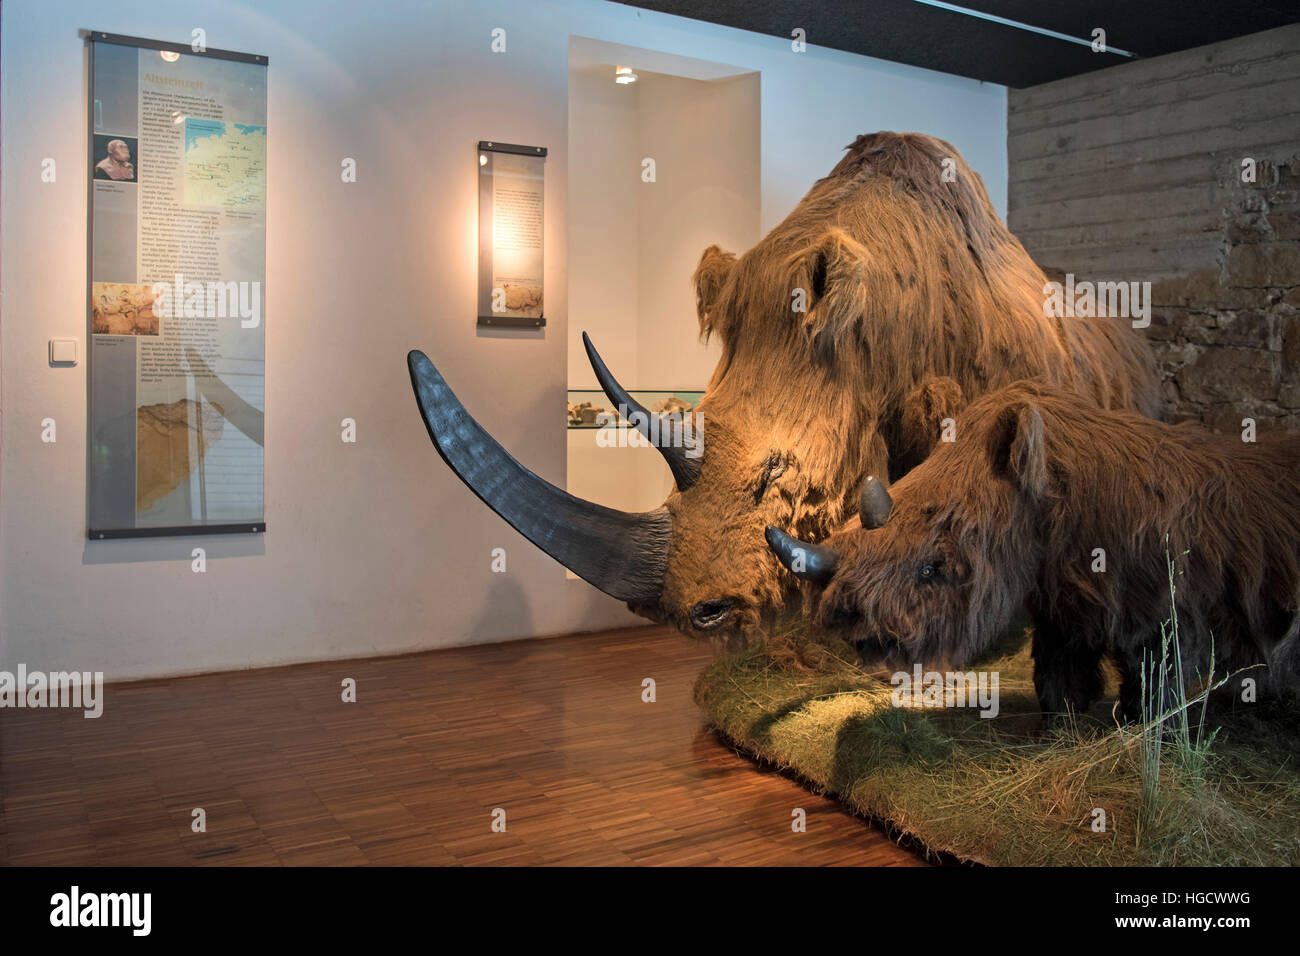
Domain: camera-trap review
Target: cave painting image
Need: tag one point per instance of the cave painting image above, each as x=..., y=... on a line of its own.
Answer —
x=122, y=308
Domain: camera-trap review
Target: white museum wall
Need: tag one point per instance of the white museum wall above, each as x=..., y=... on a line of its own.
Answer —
x=603, y=280
x=376, y=547
x=707, y=191
x=603, y=252
x=633, y=243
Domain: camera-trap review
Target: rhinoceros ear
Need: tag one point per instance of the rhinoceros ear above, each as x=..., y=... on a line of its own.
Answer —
x=1018, y=447
x=710, y=276
x=833, y=276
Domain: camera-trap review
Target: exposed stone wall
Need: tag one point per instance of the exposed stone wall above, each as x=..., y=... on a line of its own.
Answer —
x=1134, y=173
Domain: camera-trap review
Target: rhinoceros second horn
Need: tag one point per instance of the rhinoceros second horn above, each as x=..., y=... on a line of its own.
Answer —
x=665, y=437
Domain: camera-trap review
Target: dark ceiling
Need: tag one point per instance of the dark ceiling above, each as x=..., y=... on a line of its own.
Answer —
x=907, y=31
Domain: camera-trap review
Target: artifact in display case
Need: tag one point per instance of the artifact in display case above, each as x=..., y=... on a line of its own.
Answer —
x=584, y=413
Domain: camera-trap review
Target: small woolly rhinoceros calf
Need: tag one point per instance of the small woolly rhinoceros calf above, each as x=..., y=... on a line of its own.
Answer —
x=1045, y=503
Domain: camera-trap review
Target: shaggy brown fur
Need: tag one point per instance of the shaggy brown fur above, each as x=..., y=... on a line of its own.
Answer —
x=1010, y=515
x=906, y=277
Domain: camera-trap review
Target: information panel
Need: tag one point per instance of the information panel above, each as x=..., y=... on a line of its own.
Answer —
x=177, y=288
x=512, y=183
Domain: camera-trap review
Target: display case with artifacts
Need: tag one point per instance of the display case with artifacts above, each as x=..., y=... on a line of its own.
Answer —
x=589, y=408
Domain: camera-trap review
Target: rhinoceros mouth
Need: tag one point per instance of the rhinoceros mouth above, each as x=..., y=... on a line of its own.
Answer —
x=624, y=554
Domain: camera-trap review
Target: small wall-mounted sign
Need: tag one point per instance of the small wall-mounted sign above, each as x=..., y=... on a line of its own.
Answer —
x=511, y=187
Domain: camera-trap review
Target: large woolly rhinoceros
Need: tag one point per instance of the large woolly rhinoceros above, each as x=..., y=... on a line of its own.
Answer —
x=893, y=270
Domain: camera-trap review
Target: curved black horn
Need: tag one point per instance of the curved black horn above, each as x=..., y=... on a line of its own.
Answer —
x=622, y=554
x=811, y=562
x=665, y=436
x=874, y=504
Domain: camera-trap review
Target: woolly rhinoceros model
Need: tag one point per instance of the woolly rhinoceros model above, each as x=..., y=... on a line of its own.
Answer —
x=893, y=270
x=1015, y=513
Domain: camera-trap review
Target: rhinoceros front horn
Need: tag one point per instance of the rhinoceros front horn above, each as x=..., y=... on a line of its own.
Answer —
x=810, y=562
x=663, y=432
x=622, y=554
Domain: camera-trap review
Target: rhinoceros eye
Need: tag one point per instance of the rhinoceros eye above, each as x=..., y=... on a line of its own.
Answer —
x=929, y=571
x=772, y=469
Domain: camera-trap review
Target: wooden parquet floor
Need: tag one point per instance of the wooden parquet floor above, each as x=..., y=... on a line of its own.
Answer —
x=552, y=731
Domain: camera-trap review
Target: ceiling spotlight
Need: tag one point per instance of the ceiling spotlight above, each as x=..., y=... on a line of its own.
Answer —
x=624, y=74
x=171, y=56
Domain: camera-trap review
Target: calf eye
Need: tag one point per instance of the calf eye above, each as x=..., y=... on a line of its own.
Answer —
x=928, y=572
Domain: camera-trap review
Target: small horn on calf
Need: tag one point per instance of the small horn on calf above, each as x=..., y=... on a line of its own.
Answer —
x=623, y=554
x=666, y=436
x=874, y=504
x=809, y=562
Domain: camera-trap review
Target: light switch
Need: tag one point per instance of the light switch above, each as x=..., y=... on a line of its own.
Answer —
x=63, y=351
